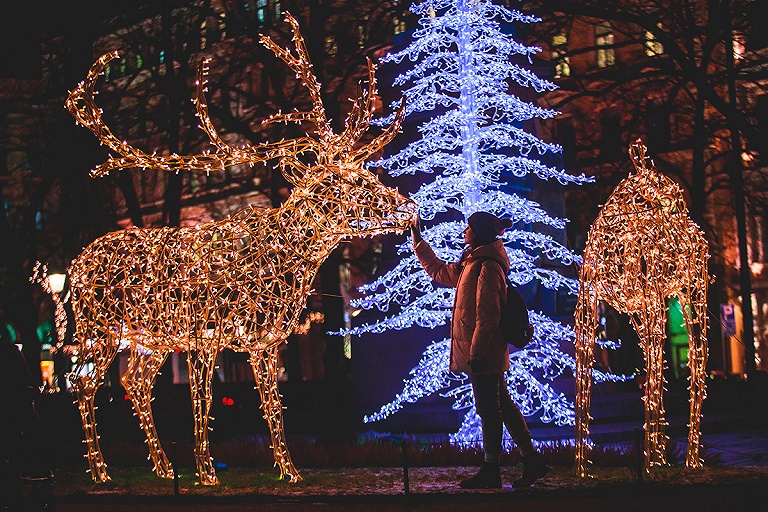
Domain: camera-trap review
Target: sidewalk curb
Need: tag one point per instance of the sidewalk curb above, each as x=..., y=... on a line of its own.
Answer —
x=623, y=492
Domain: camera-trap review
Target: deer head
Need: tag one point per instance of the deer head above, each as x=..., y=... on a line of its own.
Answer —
x=349, y=197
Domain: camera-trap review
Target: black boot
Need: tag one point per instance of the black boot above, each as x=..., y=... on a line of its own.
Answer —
x=488, y=477
x=534, y=468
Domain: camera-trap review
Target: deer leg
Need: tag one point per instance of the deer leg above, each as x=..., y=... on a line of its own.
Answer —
x=586, y=325
x=138, y=381
x=264, y=364
x=85, y=386
x=653, y=349
x=201, y=365
x=697, y=361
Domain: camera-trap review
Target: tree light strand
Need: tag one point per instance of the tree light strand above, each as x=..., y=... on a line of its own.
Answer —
x=472, y=144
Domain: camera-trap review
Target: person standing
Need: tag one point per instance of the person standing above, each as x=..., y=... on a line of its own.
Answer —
x=477, y=345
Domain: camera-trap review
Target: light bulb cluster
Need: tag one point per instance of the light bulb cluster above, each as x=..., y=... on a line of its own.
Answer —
x=239, y=283
x=471, y=145
x=642, y=248
x=313, y=317
x=40, y=276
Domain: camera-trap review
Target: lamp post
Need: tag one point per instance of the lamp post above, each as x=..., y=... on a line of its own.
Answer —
x=55, y=286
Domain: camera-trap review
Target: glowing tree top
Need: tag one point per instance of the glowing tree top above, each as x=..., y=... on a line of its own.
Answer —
x=474, y=143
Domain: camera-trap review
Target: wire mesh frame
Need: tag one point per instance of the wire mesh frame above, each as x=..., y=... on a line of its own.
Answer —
x=239, y=283
x=642, y=248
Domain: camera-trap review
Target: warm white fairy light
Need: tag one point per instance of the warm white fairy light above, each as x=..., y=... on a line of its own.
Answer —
x=239, y=283
x=642, y=248
x=53, y=285
x=313, y=317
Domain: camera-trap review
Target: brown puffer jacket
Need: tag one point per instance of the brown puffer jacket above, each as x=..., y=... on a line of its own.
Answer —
x=479, y=283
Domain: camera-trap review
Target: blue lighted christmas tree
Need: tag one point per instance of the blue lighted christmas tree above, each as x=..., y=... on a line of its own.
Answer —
x=474, y=144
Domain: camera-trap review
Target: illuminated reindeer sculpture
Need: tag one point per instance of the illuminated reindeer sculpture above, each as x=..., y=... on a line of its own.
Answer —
x=238, y=283
x=643, y=248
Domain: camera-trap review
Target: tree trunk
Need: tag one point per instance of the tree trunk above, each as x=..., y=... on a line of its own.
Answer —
x=698, y=180
x=125, y=183
x=172, y=203
x=736, y=171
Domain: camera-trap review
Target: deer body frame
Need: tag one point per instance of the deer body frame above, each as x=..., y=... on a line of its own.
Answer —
x=239, y=283
x=643, y=248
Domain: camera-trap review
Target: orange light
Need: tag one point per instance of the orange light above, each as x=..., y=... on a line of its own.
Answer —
x=642, y=248
x=238, y=283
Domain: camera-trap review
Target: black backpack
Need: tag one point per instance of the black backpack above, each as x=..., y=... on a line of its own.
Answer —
x=515, y=325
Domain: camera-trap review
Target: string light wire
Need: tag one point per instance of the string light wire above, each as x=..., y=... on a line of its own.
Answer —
x=239, y=283
x=642, y=248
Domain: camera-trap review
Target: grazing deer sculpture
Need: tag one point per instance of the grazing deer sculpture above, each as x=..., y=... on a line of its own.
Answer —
x=643, y=248
x=239, y=283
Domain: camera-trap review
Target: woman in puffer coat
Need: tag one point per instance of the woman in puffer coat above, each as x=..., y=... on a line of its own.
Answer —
x=477, y=344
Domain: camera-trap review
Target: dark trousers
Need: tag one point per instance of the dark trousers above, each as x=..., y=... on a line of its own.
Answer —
x=496, y=408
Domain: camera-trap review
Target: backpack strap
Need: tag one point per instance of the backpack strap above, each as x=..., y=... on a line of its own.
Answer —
x=506, y=279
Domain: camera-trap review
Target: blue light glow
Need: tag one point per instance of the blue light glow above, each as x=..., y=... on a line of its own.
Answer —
x=463, y=67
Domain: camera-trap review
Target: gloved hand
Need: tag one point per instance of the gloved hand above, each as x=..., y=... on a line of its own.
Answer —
x=478, y=364
x=415, y=231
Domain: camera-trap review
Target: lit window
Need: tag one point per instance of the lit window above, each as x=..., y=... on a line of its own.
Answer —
x=560, y=56
x=759, y=249
x=606, y=55
x=330, y=46
x=399, y=26
x=203, y=32
x=223, y=25
x=653, y=46
x=738, y=46
x=261, y=11
x=361, y=32
x=278, y=9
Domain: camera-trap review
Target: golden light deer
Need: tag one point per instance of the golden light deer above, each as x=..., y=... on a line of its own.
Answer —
x=239, y=283
x=643, y=248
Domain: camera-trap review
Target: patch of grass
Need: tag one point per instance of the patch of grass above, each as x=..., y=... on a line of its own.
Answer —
x=371, y=466
x=383, y=481
x=255, y=453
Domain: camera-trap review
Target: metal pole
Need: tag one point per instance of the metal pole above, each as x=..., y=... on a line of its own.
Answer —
x=175, y=469
x=406, y=482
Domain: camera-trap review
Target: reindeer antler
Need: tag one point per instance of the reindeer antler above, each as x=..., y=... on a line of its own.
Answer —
x=359, y=118
x=302, y=66
x=81, y=104
x=248, y=154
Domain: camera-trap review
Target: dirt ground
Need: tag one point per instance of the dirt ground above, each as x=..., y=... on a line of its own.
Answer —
x=429, y=488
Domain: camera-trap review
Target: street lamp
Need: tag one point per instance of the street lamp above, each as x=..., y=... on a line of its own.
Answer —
x=55, y=286
x=56, y=282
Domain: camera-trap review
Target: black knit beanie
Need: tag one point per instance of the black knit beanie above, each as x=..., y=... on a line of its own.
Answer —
x=487, y=227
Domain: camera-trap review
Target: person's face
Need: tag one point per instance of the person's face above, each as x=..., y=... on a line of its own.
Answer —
x=469, y=236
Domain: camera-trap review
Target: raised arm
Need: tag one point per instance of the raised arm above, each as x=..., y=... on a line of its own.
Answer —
x=445, y=274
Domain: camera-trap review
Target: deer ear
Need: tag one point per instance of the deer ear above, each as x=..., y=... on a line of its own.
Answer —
x=293, y=174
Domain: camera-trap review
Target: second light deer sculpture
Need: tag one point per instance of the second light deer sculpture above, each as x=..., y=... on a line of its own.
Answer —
x=239, y=283
x=642, y=249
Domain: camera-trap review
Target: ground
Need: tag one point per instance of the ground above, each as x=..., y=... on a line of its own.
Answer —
x=430, y=488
